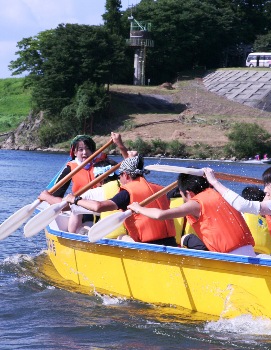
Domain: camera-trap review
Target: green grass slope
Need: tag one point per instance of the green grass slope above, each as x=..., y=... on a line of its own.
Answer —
x=15, y=103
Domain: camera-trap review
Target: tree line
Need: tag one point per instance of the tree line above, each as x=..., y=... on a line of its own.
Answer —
x=70, y=68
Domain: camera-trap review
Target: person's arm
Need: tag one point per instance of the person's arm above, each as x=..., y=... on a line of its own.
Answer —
x=189, y=208
x=62, y=190
x=119, y=143
x=49, y=198
x=90, y=204
x=210, y=176
x=265, y=207
x=234, y=199
x=57, y=196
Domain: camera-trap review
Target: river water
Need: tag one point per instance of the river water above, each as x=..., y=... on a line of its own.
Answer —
x=38, y=314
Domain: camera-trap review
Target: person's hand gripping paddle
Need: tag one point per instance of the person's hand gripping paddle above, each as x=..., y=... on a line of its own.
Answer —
x=11, y=224
x=40, y=221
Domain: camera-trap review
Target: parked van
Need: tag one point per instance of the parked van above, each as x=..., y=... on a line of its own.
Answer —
x=259, y=59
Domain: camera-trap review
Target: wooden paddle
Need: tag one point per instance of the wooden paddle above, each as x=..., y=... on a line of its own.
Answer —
x=221, y=176
x=11, y=224
x=38, y=222
x=110, y=223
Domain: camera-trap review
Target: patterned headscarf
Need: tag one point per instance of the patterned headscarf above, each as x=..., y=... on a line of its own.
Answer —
x=133, y=166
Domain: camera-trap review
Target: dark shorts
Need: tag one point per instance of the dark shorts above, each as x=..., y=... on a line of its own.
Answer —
x=169, y=241
x=193, y=242
x=87, y=217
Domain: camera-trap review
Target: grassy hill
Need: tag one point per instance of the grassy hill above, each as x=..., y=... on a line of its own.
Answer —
x=15, y=103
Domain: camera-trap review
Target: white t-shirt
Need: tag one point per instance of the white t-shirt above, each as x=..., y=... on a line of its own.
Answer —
x=96, y=194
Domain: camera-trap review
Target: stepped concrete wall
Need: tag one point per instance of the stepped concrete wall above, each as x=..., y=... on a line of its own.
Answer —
x=250, y=87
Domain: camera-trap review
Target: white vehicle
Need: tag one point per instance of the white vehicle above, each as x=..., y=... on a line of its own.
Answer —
x=259, y=59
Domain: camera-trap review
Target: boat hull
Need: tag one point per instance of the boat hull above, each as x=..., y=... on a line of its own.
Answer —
x=222, y=285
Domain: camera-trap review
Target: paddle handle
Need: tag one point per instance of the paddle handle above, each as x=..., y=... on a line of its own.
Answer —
x=200, y=172
x=158, y=194
x=81, y=166
x=238, y=178
x=98, y=179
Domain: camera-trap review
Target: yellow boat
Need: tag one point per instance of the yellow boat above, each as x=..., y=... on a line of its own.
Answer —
x=216, y=284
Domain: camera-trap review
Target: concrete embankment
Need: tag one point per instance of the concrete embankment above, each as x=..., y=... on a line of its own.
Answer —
x=250, y=87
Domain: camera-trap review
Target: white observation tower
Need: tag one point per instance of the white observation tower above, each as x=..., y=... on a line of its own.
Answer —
x=140, y=40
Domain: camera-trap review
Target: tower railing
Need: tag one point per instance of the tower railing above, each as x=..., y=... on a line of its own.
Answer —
x=138, y=42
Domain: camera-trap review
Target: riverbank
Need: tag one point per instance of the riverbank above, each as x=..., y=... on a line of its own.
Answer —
x=188, y=113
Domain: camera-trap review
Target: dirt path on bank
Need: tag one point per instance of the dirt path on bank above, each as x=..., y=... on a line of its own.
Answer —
x=189, y=113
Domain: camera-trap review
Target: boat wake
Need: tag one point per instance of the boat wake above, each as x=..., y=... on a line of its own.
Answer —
x=110, y=300
x=244, y=324
x=21, y=269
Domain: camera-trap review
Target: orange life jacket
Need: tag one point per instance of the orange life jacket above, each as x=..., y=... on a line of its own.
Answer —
x=84, y=176
x=268, y=221
x=221, y=227
x=140, y=227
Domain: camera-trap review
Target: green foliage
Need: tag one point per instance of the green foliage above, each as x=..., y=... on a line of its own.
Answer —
x=158, y=146
x=140, y=146
x=129, y=144
x=61, y=60
x=53, y=133
x=263, y=43
x=15, y=103
x=247, y=139
x=176, y=148
x=112, y=16
x=128, y=125
x=180, y=29
x=90, y=100
x=201, y=151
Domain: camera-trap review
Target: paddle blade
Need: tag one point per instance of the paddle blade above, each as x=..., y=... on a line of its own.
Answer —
x=175, y=169
x=40, y=221
x=107, y=225
x=17, y=219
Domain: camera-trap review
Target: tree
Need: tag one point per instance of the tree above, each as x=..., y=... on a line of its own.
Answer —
x=186, y=34
x=112, y=16
x=263, y=43
x=60, y=60
x=253, y=16
x=248, y=139
x=90, y=100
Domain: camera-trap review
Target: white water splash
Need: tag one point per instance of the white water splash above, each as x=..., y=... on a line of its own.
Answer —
x=17, y=259
x=110, y=300
x=244, y=324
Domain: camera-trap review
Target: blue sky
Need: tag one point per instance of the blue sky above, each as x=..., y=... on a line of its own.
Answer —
x=23, y=18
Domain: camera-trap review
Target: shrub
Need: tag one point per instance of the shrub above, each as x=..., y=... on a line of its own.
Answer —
x=141, y=146
x=51, y=134
x=177, y=149
x=247, y=139
x=158, y=146
x=128, y=125
x=129, y=144
x=202, y=151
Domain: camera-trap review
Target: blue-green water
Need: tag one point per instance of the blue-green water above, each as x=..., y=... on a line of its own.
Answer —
x=36, y=314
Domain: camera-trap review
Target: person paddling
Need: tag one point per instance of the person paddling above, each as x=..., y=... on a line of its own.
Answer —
x=82, y=146
x=219, y=227
x=134, y=187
